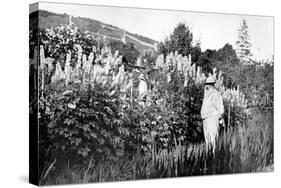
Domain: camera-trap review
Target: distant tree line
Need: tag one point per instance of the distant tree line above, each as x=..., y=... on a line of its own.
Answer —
x=237, y=65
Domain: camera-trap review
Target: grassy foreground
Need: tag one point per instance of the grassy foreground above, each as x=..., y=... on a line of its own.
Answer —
x=248, y=148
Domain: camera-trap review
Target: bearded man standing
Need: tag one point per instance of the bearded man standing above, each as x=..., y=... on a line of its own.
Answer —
x=211, y=112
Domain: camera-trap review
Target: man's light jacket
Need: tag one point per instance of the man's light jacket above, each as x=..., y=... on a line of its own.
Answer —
x=212, y=104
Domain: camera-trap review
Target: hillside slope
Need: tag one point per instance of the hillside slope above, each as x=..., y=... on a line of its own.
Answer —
x=50, y=19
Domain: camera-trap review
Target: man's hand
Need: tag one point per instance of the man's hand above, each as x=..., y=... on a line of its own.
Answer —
x=221, y=121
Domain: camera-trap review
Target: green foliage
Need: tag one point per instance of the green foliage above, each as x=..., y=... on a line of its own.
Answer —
x=61, y=40
x=239, y=150
x=257, y=82
x=129, y=53
x=225, y=60
x=228, y=63
x=180, y=40
x=181, y=107
x=207, y=61
x=84, y=121
x=158, y=136
x=254, y=80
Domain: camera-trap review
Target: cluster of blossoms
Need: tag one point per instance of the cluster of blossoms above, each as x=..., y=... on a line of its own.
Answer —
x=111, y=72
x=183, y=65
x=175, y=62
x=106, y=71
x=235, y=97
x=94, y=66
x=59, y=41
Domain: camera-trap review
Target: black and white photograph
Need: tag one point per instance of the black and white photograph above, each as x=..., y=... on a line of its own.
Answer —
x=122, y=93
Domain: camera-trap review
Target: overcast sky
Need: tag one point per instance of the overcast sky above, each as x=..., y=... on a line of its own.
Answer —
x=213, y=30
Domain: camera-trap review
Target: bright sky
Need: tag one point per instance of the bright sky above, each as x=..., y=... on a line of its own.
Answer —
x=213, y=30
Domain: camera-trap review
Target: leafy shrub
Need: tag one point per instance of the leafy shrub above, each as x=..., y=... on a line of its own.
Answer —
x=94, y=108
x=84, y=121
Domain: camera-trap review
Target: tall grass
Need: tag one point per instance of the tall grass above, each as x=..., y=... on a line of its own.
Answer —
x=247, y=148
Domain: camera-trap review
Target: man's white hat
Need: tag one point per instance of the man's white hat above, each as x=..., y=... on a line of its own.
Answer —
x=210, y=80
x=142, y=76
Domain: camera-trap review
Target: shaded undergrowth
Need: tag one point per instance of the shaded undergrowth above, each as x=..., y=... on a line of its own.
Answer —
x=243, y=149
